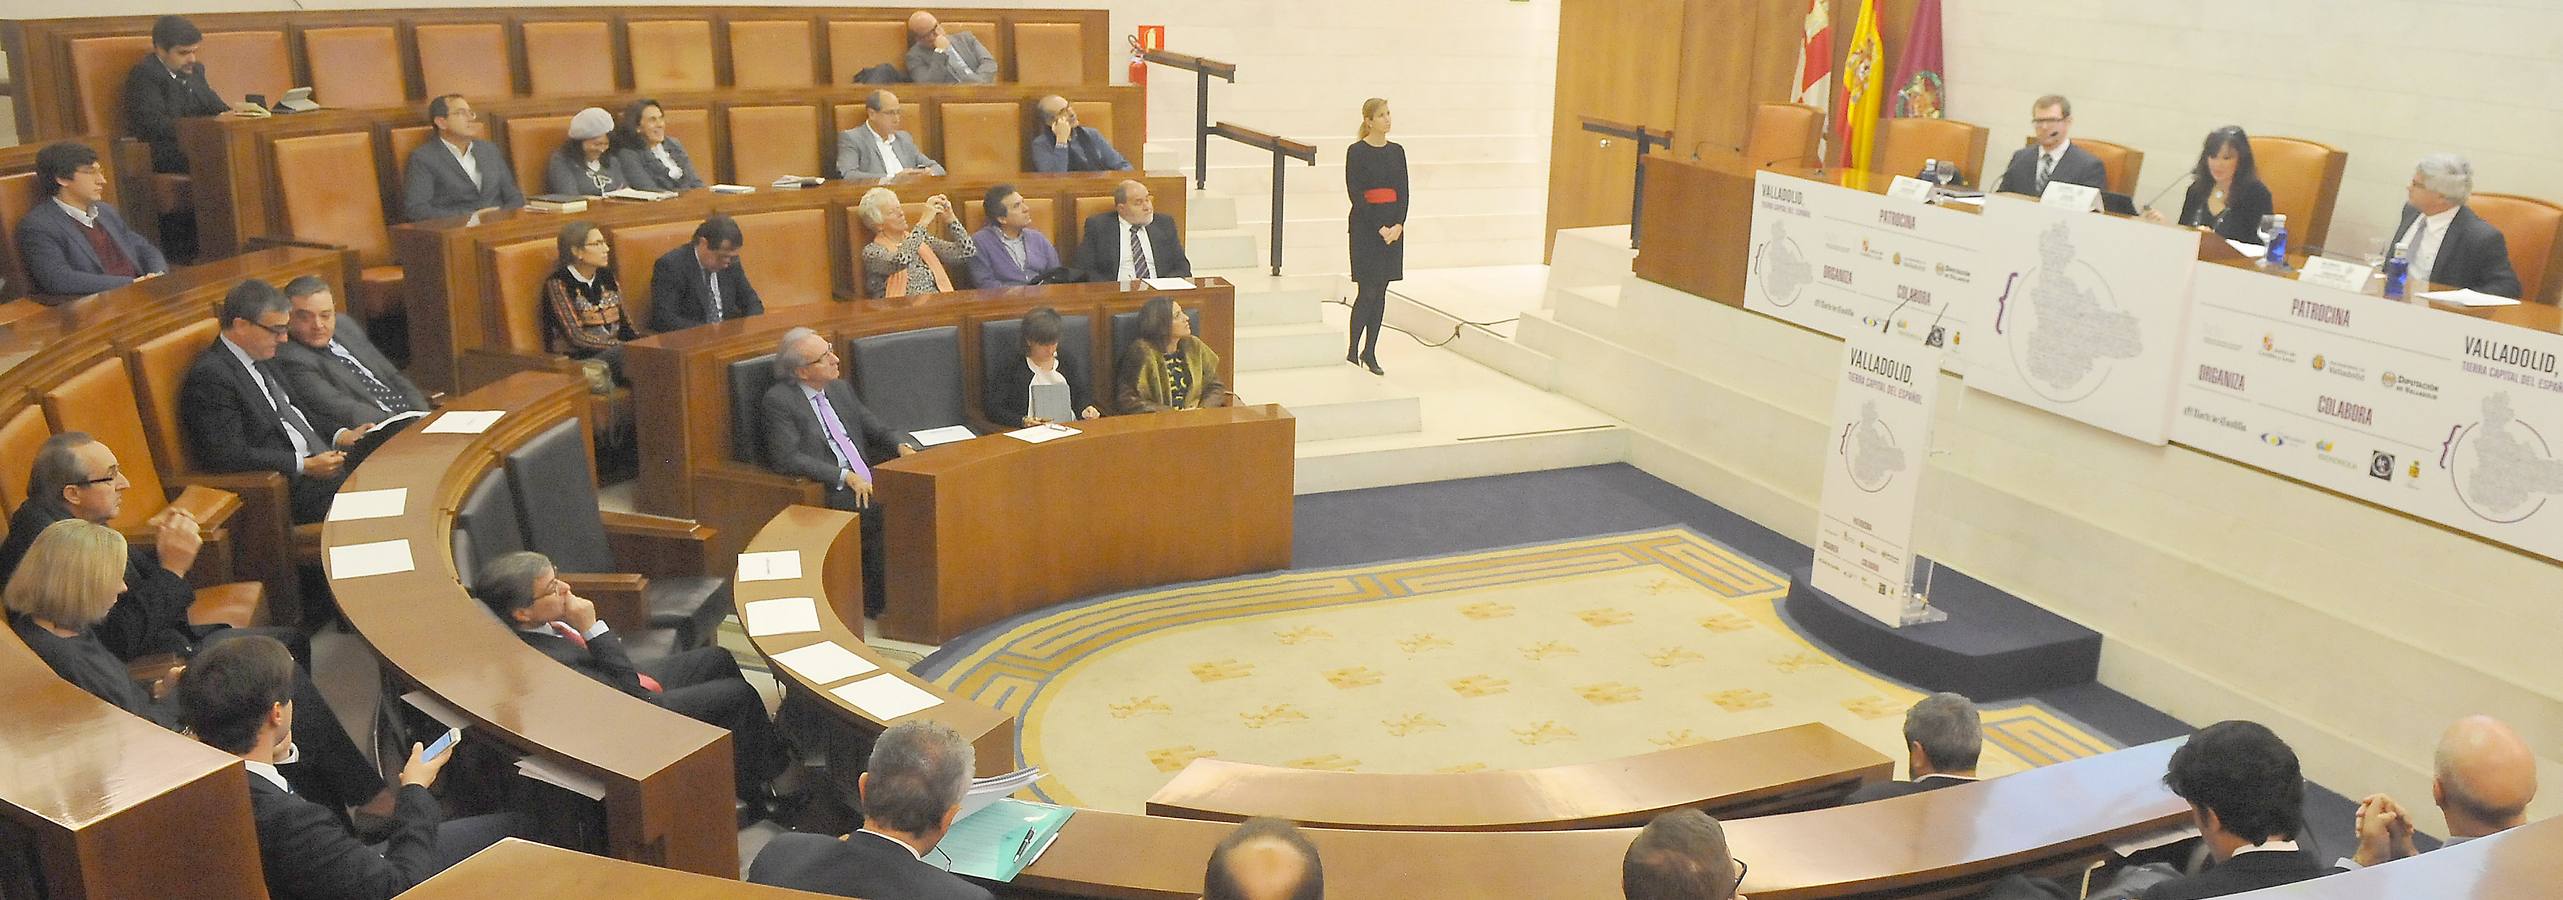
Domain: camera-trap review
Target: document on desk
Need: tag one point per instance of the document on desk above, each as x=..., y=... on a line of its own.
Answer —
x=377, y=558
x=771, y=565
x=2468, y=298
x=997, y=842
x=824, y=662
x=464, y=421
x=355, y=505
x=1168, y=284
x=789, y=615
x=886, y=697
x=548, y=772
x=2255, y=251
x=944, y=435
x=1042, y=433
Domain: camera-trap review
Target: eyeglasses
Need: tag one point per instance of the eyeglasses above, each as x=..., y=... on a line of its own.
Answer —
x=114, y=473
x=2047, y=121
x=1739, y=877
x=279, y=330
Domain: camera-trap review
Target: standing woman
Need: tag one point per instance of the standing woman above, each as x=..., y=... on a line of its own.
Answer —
x=2225, y=194
x=1375, y=179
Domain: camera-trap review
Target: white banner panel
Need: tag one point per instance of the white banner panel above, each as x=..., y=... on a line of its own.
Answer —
x=2087, y=316
x=2437, y=414
x=1878, y=448
x=1845, y=262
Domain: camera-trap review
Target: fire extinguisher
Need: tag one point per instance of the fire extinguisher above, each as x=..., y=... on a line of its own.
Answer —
x=1148, y=37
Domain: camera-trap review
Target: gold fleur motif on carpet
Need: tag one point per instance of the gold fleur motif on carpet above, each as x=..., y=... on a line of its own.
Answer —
x=1609, y=692
x=1276, y=714
x=1873, y=707
x=1543, y=733
x=1671, y=656
x=1799, y=662
x=1659, y=586
x=1418, y=643
x=1480, y=686
x=1487, y=610
x=1741, y=699
x=1221, y=670
x=1606, y=617
x=1724, y=623
x=1302, y=634
x=1411, y=724
x=1173, y=759
x=1672, y=739
x=1462, y=768
x=1546, y=650
x=1140, y=706
x=1354, y=677
x=1332, y=762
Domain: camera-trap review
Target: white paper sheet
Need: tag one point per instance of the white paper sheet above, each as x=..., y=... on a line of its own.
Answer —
x=824, y=662
x=1042, y=433
x=732, y=189
x=1977, y=202
x=2468, y=297
x=789, y=615
x=771, y=565
x=464, y=421
x=886, y=697
x=355, y=505
x=436, y=709
x=399, y=417
x=552, y=773
x=944, y=435
x=2255, y=251
x=377, y=558
x=1168, y=284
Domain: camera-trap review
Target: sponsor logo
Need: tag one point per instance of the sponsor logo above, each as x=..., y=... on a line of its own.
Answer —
x=2274, y=439
x=2380, y=465
x=2318, y=362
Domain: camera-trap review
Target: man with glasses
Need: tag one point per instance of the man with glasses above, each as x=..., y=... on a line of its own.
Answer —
x=1062, y=144
x=1682, y=855
x=814, y=428
x=2446, y=242
x=2054, y=157
x=238, y=416
x=334, y=371
x=702, y=282
x=879, y=149
x=73, y=242
x=458, y=172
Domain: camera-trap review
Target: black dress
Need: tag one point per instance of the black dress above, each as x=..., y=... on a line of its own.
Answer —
x=2245, y=203
x=88, y=664
x=1381, y=169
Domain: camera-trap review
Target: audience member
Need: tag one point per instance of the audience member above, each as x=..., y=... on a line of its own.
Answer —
x=1012, y=253
x=1375, y=183
x=1264, y=859
x=1942, y=738
x=238, y=416
x=2446, y=242
x=2226, y=194
x=584, y=305
x=2486, y=777
x=2054, y=157
x=78, y=243
x=816, y=429
x=457, y=173
x=942, y=55
x=1131, y=241
x=1060, y=144
x=334, y=372
x=911, y=793
x=585, y=163
x=1167, y=367
x=238, y=699
x=2248, y=796
x=63, y=588
x=1681, y=855
x=878, y=148
x=167, y=86
x=654, y=159
x=904, y=261
x=703, y=282
x=703, y=683
x=1010, y=396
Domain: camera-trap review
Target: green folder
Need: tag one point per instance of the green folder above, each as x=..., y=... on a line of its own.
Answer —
x=997, y=842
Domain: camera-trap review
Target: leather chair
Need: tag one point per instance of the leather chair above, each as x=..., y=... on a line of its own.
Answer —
x=239, y=604
x=249, y=62
x=736, y=493
x=1001, y=354
x=777, y=54
x=20, y=437
x=983, y=139
x=1904, y=143
x=988, y=36
x=854, y=46
x=1087, y=207
x=531, y=141
x=1048, y=53
x=694, y=127
x=911, y=379
x=2121, y=163
x=490, y=524
x=467, y=58
x=1784, y=136
x=1125, y=328
x=919, y=122
x=2529, y=226
x=340, y=211
x=749, y=378
x=2304, y=179
x=515, y=325
x=567, y=58
x=356, y=66
x=670, y=55
x=98, y=67
x=1097, y=114
x=18, y=194
x=1045, y=218
x=768, y=142
x=789, y=254
x=637, y=249
x=556, y=493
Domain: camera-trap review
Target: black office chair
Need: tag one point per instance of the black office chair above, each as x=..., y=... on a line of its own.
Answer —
x=555, y=493
x=911, y=380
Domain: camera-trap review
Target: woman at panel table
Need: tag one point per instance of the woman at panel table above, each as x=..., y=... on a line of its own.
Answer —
x=585, y=163
x=905, y=262
x=1167, y=367
x=69, y=580
x=583, y=306
x=2225, y=191
x=651, y=158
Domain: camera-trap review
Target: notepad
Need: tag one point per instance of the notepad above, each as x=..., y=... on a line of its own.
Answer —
x=1042, y=433
x=354, y=505
x=789, y=615
x=1051, y=403
x=377, y=558
x=464, y=421
x=2468, y=297
x=1168, y=284
x=771, y=565
x=886, y=697
x=824, y=662
x=944, y=435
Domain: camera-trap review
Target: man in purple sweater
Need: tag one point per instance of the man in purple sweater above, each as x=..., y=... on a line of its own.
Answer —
x=1011, y=252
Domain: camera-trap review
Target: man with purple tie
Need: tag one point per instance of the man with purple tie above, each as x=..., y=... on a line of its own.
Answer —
x=814, y=428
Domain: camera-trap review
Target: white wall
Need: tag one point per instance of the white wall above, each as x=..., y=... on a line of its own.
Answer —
x=2385, y=80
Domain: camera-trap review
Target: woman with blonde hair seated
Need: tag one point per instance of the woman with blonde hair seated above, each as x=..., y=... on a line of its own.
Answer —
x=583, y=306
x=901, y=261
x=586, y=163
x=63, y=588
x=1167, y=367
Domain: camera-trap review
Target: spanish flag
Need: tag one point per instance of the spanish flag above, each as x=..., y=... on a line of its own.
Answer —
x=1856, y=107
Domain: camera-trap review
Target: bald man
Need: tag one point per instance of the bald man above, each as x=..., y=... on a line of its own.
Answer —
x=1062, y=144
x=2486, y=779
x=940, y=55
x=1264, y=859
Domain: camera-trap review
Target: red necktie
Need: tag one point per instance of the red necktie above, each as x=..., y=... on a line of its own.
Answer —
x=563, y=629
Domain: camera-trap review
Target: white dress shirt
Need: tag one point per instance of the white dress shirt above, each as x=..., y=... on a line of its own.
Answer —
x=87, y=218
x=890, y=164
x=463, y=157
x=2425, y=256
x=1130, y=267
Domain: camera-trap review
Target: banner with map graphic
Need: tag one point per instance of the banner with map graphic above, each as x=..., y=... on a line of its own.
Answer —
x=1848, y=262
x=2087, y=315
x=2441, y=415
x=1874, y=457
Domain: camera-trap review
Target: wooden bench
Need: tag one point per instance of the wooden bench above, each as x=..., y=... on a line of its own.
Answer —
x=517, y=868
x=2523, y=863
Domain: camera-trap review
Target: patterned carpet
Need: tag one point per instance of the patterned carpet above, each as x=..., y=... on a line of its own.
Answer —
x=1532, y=656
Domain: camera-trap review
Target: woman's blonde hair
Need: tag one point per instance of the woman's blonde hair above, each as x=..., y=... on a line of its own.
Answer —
x=1370, y=109
x=875, y=206
x=70, y=574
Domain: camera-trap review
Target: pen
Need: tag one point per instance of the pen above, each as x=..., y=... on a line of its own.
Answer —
x=1026, y=845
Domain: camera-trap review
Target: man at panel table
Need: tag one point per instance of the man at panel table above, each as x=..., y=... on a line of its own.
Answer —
x=2054, y=157
x=2445, y=241
x=815, y=428
x=911, y=792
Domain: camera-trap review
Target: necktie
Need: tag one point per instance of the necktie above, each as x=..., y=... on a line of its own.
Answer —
x=837, y=438
x=712, y=310
x=390, y=400
x=2420, y=270
x=1139, y=256
x=2046, y=167
x=286, y=413
x=564, y=630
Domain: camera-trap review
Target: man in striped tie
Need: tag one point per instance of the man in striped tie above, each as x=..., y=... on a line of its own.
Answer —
x=335, y=373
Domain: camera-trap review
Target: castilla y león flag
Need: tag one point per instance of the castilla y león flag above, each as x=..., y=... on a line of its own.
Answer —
x=1918, y=89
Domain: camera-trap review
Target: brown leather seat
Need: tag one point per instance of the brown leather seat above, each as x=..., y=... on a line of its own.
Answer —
x=517, y=317
x=261, y=538
x=1097, y=114
x=768, y=142
x=636, y=249
x=568, y=58
x=2304, y=179
x=987, y=33
x=20, y=437
x=775, y=54
x=858, y=45
x=694, y=128
x=240, y=604
x=99, y=66
x=789, y=250
x=1903, y=144
x=1049, y=53
x=343, y=209
x=2530, y=226
x=248, y=62
x=670, y=55
x=1087, y=207
x=2121, y=162
x=531, y=142
x=18, y=194
x=406, y=141
x=1784, y=136
x=468, y=58
x=100, y=400
x=982, y=139
x=356, y=66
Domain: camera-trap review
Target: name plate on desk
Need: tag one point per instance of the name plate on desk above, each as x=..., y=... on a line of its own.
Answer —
x=2333, y=273
x=1908, y=187
x=2079, y=198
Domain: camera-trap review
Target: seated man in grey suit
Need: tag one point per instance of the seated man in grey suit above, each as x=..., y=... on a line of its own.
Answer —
x=72, y=241
x=815, y=428
x=1132, y=241
x=1942, y=738
x=911, y=793
x=333, y=370
x=2446, y=242
x=878, y=149
x=1264, y=859
x=2054, y=157
x=2486, y=777
x=457, y=173
x=1062, y=145
x=939, y=55
x=703, y=282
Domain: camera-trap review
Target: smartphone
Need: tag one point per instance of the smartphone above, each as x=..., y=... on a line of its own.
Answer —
x=452, y=735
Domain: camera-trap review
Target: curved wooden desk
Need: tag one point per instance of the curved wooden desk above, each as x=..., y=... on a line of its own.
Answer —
x=667, y=777
x=516, y=868
x=2523, y=863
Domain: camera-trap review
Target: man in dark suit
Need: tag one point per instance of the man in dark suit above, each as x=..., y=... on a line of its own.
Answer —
x=2248, y=796
x=702, y=282
x=814, y=428
x=167, y=86
x=1009, y=395
x=2445, y=241
x=2054, y=157
x=238, y=698
x=1943, y=736
x=334, y=372
x=703, y=684
x=238, y=416
x=1131, y=241
x=75, y=243
x=1060, y=144
x=911, y=792
x=2485, y=779
x=1681, y=855
x=456, y=172
x=1264, y=859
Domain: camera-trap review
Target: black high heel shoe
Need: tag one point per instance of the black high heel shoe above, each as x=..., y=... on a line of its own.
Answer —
x=1373, y=366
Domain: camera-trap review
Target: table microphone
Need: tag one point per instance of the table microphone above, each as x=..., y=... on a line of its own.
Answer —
x=2176, y=182
x=1818, y=157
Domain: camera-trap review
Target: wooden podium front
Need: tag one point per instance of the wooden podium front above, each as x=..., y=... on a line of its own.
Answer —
x=992, y=527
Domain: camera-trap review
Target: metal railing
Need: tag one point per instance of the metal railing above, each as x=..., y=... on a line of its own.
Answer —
x=1203, y=70
x=1647, y=141
x=1283, y=149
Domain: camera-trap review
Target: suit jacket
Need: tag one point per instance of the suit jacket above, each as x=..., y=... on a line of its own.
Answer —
x=1884, y=789
x=1099, y=252
x=2244, y=872
x=563, y=175
x=60, y=259
x=1087, y=151
x=648, y=174
x=1008, y=398
x=796, y=443
x=603, y=659
x=991, y=268
x=334, y=397
x=155, y=101
x=149, y=617
x=680, y=293
x=2076, y=166
x=968, y=63
x=2473, y=255
x=228, y=422
x=859, y=154
x=309, y=854
x=861, y=865
x=433, y=185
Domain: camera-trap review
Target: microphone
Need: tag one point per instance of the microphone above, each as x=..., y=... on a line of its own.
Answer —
x=2184, y=178
x=1818, y=157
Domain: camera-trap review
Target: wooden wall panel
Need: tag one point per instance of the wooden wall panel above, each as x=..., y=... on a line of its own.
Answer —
x=1620, y=60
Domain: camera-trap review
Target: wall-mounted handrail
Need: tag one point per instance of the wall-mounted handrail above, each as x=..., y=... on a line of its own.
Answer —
x=1283, y=149
x=1203, y=70
x=1647, y=140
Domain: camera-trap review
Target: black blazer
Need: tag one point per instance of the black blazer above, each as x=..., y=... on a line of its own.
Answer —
x=796, y=443
x=2077, y=166
x=861, y=865
x=2473, y=255
x=309, y=854
x=228, y=423
x=1099, y=252
x=2245, y=204
x=89, y=666
x=602, y=659
x=1008, y=399
x=1884, y=789
x=679, y=293
x=333, y=397
x=155, y=101
x=149, y=617
x=648, y=174
x=2244, y=872
x=433, y=184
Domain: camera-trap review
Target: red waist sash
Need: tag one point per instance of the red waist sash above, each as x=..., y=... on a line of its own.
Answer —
x=1380, y=195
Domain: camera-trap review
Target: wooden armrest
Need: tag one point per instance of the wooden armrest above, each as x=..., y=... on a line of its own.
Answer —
x=620, y=598
x=209, y=506
x=482, y=365
x=149, y=668
x=240, y=604
x=267, y=241
x=661, y=546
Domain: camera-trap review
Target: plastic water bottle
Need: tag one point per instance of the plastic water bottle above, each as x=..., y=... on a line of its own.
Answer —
x=2277, y=258
x=2398, y=271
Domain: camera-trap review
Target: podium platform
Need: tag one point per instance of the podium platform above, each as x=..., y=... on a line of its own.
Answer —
x=1993, y=647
